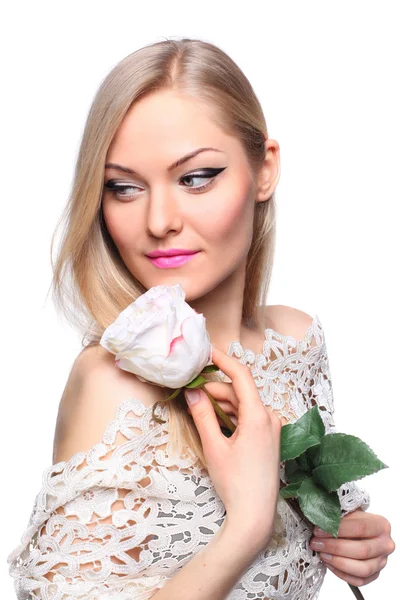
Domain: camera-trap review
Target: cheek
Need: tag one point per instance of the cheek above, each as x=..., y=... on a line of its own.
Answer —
x=233, y=221
x=120, y=227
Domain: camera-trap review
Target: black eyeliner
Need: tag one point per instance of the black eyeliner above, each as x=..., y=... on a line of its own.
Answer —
x=211, y=171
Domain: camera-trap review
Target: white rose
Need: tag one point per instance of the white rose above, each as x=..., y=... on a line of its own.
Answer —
x=160, y=338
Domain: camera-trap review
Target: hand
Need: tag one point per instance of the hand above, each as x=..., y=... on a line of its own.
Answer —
x=357, y=561
x=225, y=396
x=245, y=467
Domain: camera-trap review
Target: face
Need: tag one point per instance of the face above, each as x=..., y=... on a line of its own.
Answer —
x=206, y=204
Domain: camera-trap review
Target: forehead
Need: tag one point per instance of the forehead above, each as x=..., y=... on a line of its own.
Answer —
x=172, y=124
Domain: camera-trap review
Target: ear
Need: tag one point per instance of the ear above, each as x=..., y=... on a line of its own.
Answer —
x=269, y=175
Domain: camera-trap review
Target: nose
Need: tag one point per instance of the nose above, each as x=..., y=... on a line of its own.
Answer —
x=163, y=213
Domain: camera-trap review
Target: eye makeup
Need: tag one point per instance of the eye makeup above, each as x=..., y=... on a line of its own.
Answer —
x=118, y=188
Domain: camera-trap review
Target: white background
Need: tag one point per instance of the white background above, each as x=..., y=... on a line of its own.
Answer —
x=327, y=76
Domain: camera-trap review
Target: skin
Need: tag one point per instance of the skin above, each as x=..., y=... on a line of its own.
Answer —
x=162, y=211
x=360, y=551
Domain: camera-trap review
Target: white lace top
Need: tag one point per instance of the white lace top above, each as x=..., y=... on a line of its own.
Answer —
x=118, y=521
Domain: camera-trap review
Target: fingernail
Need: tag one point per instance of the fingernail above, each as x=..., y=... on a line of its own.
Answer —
x=326, y=556
x=319, y=531
x=317, y=545
x=192, y=396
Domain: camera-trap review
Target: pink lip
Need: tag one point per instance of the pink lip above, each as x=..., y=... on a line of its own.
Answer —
x=167, y=262
x=170, y=252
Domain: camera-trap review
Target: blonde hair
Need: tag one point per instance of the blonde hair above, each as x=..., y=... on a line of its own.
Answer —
x=91, y=284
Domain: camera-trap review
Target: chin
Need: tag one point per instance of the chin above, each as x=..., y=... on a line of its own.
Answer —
x=167, y=279
x=194, y=284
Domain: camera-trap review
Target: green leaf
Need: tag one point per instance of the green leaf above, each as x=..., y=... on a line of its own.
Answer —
x=293, y=472
x=210, y=369
x=342, y=458
x=196, y=382
x=311, y=454
x=290, y=491
x=320, y=507
x=305, y=461
x=306, y=432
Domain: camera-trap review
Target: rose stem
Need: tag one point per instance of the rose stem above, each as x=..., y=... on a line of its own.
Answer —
x=223, y=416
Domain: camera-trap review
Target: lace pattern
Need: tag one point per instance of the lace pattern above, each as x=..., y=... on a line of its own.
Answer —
x=293, y=376
x=117, y=522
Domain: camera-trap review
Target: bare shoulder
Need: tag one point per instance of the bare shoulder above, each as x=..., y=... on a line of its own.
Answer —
x=287, y=320
x=94, y=389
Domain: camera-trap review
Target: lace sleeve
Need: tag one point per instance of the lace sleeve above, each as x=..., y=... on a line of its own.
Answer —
x=88, y=535
x=351, y=495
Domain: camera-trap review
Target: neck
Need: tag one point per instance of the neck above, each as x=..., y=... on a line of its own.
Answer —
x=222, y=308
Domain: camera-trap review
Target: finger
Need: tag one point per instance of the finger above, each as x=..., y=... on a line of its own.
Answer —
x=226, y=397
x=359, y=525
x=355, y=568
x=229, y=410
x=222, y=391
x=357, y=581
x=250, y=406
x=358, y=549
x=227, y=407
x=205, y=419
x=232, y=417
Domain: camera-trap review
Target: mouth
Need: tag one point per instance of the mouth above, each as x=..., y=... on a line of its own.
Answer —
x=168, y=262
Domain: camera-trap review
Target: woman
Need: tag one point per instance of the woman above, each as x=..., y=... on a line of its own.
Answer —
x=120, y=515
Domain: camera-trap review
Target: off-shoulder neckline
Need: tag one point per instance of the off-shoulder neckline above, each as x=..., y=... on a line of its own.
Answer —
x=273, y=337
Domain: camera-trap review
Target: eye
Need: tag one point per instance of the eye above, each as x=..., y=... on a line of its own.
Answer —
x=121, y=190
x=118, y=189
x=209, y=174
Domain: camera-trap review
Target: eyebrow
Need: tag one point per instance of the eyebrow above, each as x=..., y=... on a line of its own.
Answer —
x=174, y=165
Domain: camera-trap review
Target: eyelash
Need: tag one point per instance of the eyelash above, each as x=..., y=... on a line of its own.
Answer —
x=115, y=186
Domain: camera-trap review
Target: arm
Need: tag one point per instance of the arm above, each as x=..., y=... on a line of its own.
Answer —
x=79, y=542
x=213, y=572
x=95, y=532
